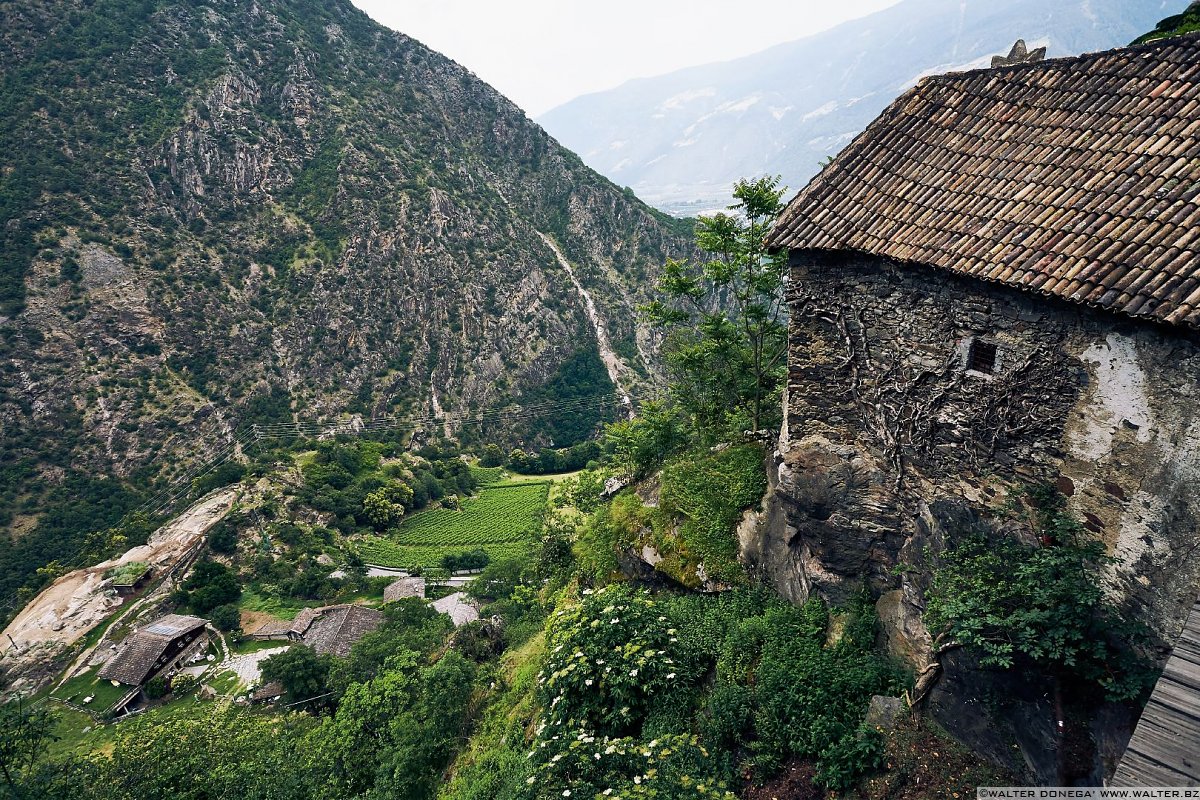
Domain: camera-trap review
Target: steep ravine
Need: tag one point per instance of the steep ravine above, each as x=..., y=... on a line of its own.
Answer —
x=617, y=370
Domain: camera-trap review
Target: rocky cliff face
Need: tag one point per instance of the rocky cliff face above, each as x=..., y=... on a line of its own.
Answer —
x=220, y=213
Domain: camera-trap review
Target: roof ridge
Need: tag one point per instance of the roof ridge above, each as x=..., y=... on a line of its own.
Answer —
x=1153, y=44
x=1083, y=183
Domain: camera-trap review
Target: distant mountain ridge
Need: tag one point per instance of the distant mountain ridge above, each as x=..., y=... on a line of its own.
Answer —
x=680, y=140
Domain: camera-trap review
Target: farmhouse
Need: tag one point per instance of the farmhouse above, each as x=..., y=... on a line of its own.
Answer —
x=996, y=286
x=328, y=629
x=160, y=648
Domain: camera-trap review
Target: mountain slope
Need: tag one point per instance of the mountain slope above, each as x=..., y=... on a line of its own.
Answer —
x=680, y=140
x=229, y=212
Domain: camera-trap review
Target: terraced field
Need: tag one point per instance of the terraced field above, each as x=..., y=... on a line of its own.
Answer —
x=502, y=521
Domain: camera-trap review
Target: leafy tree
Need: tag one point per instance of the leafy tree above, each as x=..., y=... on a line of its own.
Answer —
x=725, y=313
x=637, y=445
x=385, y=507
x=157, y=687
x=227, y=618
x=492, y=456
x=303, y=674
x=211, y=584
x=25, y=733
x=397, y=732
x=223, y=538
x=227, y=752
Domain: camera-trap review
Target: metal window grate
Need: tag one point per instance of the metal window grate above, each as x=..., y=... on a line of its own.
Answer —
x=982, y=357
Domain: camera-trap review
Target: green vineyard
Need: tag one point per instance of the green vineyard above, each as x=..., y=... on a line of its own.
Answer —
x=502, y=521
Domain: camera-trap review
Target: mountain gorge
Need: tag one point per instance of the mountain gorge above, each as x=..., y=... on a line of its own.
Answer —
x=222, y=213
x=681, y=140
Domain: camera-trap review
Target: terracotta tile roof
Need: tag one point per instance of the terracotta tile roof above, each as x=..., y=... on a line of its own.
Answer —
x=1076, y=177
x=139, y=653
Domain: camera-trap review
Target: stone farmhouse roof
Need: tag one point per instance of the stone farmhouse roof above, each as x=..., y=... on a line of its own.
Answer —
x=335, y=629
x=404, y=587
x=140, y=652
x=1077, y=178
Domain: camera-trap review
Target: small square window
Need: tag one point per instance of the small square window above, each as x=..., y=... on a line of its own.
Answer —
x=982, y=357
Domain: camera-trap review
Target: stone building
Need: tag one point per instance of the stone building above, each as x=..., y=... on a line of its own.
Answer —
x=160, y=648
x=328, y=629
x=409, y=586
x=996, y=285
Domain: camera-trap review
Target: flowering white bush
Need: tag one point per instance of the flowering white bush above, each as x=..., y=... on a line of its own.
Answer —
x=671, y=767
x=608, y=655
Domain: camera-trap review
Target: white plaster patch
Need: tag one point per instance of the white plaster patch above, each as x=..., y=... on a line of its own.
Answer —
x=1135, y=539
x=1119, y=397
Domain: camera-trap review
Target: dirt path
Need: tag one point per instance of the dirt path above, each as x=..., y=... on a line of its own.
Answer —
x=248, y=666
x=75, y=603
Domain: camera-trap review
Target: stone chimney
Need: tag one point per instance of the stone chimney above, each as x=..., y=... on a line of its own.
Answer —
x=1020, y=54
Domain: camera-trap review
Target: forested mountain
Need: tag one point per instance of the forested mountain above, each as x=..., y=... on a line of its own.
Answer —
x=682, y=139
x=220, y=213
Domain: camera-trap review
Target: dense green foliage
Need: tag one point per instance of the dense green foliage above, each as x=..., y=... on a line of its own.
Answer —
x=1177, y=25
x=303, y=674
x=726, y=316
x=210, y=585
x=709, y=493
x=549, y=461
x=702, y=498
x=627, y=676
x=580, y=398
x=24, y=736
x=1039, y=607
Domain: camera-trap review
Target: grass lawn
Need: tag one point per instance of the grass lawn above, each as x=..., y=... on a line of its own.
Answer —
x=79, y=734
x=227, y=683
x=267, y=604
x=253, y=646
x=88, y=684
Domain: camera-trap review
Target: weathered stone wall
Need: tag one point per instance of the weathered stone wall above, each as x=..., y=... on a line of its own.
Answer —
x=891, y=445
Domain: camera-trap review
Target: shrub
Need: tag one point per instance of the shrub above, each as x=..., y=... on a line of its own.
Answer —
x=609, y=655
x=226, y=617
x=157, y=687
x=1041, y=606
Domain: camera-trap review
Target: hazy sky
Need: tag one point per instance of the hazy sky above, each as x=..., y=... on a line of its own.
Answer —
x=541, y=53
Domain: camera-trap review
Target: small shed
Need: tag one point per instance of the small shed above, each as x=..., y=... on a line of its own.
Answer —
x=404, y=587
x=267, y=693
x=128, y=579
